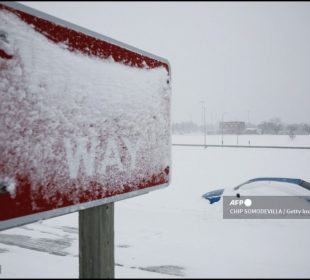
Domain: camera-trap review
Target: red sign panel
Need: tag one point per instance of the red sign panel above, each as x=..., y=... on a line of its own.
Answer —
x=84, y=119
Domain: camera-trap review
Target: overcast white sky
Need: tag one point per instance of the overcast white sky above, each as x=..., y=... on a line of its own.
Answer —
x=247, y=60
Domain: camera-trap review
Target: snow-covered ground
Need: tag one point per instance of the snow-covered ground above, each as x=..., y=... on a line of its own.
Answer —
x=174, y=232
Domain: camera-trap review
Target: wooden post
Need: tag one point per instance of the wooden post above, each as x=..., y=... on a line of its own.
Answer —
x=96, y=242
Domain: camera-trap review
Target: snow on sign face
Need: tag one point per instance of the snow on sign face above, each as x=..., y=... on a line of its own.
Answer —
x=81, y=119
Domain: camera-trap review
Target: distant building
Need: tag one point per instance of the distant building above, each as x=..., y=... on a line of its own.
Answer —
x=232, y=127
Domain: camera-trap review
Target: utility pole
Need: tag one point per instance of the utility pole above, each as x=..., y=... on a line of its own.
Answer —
x=222, y=124
x=249, y=121
x=204, y=124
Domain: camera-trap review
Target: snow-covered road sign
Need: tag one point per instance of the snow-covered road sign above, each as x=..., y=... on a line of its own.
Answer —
x=84, y=119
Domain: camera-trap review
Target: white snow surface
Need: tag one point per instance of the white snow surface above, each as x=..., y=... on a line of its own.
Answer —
x=174, y=232
x=245, y=140
x=50, y=95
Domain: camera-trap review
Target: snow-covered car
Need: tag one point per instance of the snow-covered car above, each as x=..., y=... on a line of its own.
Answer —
x=265, y=186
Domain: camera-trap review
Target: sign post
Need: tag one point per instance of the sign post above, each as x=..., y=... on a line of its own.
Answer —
x=96, y=242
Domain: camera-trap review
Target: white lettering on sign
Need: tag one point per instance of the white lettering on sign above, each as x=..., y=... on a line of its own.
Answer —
x=82, y=152
x=112, y=157
x=132, y=151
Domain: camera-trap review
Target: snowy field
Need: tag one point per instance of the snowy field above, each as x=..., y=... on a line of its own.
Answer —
x=252, y=140
x=174, y=232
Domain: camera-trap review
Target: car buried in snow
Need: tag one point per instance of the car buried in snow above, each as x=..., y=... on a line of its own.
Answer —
x=263, y=186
